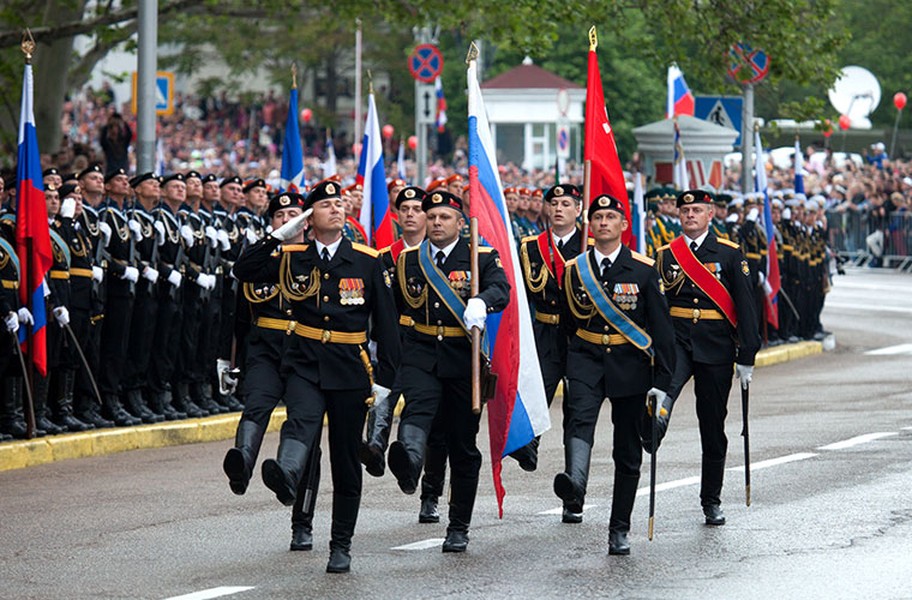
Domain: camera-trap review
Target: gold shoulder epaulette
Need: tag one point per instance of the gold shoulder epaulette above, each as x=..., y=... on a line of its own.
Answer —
x=591, y=242
x=642, y=258
x=294, y=247
x=385, y=250
x=662, y=248
x=728, y=243
x=411, y=249
x=529, y=238
x=365, y=250
x=485, y=249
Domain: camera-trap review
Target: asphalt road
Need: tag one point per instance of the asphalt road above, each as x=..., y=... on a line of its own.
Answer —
x=831, y=515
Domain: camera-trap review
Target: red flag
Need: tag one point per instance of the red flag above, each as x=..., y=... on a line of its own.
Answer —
x=607, y=176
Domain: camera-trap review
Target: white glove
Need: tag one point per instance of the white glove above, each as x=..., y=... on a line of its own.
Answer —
x=68, y=208
x=202, y=280
x=131, y=274
x=762, y=277
x=187, y=233
x=475, y=313
x=174, y=278
x=62, y=315
x=105, y=230
x=25, y=317
x=212, y=281
x=150, y=274
x=744, y=373
x=732, y=218
x=135, y=228
x=753, y=214
x=293, y=227
x=251, y=236
x=12, y=322
x=212, y=235
x=222, y=237
x=379, y=393
x=159, y=232
x=787, y=213
x=659, y=396
x=227, y=381
x=98, y=274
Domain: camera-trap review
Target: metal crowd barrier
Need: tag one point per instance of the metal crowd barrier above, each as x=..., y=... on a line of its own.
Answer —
x=863, y=239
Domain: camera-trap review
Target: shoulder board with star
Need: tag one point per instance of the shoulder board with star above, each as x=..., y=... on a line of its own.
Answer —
x=365, y=250
x=728, y=243
x=385, y=250
x=642, y=258
x=294, y=247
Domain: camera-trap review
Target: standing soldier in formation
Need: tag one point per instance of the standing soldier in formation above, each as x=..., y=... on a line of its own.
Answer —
x=335, y=288
x=434, y=283
x=231, y=194
x=543, y=258
x=707, y=282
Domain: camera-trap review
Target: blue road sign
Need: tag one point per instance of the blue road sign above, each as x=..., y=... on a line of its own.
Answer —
x=721, y=110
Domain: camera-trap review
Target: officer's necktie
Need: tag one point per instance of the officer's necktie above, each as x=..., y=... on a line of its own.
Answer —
x=560, y=244
x=606, y=264
x=441, y=257
x=325, y=254
x=693, y=247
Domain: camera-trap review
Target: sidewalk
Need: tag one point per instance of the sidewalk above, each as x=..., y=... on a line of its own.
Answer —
x=26, y=453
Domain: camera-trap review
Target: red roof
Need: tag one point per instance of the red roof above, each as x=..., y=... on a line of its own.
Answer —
x=529, y=77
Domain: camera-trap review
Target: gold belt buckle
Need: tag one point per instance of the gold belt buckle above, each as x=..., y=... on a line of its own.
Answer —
x=440, y=331
x=696, y=315
x=606, y=339
x=327, y=335
x=291, y=327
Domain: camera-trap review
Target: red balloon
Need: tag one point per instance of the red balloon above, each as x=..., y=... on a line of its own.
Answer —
x=827, y=128
x=388, y=131
x=307, y=115
x=413, y=142
x=844, y=122
x=899, y=100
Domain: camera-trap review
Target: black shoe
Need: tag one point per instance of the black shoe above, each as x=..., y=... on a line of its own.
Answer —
x=302, y=539
x=5, y=437
x=372, y=459
x=571, y=515
x=428, y=512
x=71, y=423
x=276, y=480
x=339, y=561
x=456, y=541
x=401, y=466
x=618, y=544
x=565, y=489
x=92, y=416
x=235, y=468
x=42, y=422
x=16, y=428
x=714, y=515
x=527, y=457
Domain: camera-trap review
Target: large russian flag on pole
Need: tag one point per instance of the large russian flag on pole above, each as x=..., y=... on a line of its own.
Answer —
x=292, y=174
x=680, y=99
x=33, y=240
x=518, y=413
x=772, y=283
x=375, y=215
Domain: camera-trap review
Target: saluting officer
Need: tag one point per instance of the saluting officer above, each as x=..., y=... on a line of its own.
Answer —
x=436, y=374
x=335, y=288
x=622, y=348
x=543, y=258
x=708, y=286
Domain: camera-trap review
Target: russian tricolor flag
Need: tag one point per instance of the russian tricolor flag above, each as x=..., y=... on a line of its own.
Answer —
x=680, y=98
x=375, y=215
x=518, y=411
x=33, y=240
x=292, y=175
x=441, y=116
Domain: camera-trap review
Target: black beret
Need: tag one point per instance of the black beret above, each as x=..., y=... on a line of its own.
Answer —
x=328, y=188
x=173, y=177
x=254, y=183
x=410, y=193
x=96, y=168
x=694, y=197
x=192, y=174
x=441, y=198
x=138, y=179
x=234, y=179
x=209, y=178
x=50, y=171
x=606, y=202
x=722, y=199
x=69, y=177
x=66, y=189
x=284, y=200
x=559, y=191
x=112, y=174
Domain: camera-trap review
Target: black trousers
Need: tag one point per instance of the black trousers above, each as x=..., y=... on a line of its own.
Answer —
x=189, y=362
x=114, y=337
x=165, y=343
x=551, y=346
x=142, y=335
x=263, y=384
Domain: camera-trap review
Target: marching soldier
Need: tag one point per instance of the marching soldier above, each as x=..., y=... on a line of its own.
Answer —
x=622, y=348
x=543, y=258
x=707, y=282
x=335, y=288
x=434, y=284
x=393, y=187
x=720, y=207
x=352, y=197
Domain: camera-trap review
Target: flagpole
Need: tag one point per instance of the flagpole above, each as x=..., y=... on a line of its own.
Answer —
x=587, y=185
x=28, y=48
x=357, y=139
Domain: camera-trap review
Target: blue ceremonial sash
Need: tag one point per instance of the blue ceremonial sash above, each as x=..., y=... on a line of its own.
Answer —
x=440, y=284
x=608, y=310
x=12, y=254
x=62, y=245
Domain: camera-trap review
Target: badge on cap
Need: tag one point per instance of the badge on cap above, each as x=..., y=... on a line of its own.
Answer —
x=604, y=202
x=688, y=198
x=409, y=193
x=558, y=191
x=330, y=188
x=284, y=200
x=436, y=198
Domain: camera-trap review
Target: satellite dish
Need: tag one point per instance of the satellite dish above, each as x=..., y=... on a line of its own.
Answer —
x=856, y=93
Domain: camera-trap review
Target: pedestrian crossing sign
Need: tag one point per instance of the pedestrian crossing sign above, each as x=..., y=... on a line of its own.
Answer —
x=164, y=93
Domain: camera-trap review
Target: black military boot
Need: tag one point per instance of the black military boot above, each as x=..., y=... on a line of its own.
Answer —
x=527, y=456
x=713, y=472
x=12, y=419
x=204, y=401
x=462, y=502
x=87, y=412
x=406, y=455
x=41, y=410
x=379, y=421
x=65, y=415
x=344, y=517
x=302, y=512
x=136, y=406
x=229, y=401
x=180, y=399
x=150, y=402
x=570, y=486
x=115, y=411
x=160, y=403
x=239, y=461
x=283, y=474
x=622, y=499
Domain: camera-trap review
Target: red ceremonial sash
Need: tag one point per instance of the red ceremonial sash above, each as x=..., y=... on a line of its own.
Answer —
x=554, y=260
x=705, y=280
x=396, y=249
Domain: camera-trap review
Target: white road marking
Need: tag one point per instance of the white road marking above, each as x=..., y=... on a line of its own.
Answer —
x=897, y=349
x=858, y=439
x=773, y=462
x=869, y=307
x=216, y=592
x=557, y=511
x=422, y=545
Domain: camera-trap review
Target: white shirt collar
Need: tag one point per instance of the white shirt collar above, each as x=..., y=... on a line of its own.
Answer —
x=698, y=240
x=446, y=251
x=564, y=239
x=612, y=257
x=330, y=248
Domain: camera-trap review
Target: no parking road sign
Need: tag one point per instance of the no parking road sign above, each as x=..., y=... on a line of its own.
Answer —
x=425, y=63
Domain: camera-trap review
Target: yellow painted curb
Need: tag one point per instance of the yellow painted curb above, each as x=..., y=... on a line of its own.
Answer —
x=780, y=354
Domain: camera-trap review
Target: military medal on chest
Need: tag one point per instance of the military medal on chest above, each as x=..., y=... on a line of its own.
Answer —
x=625, y=295
x=351, y=291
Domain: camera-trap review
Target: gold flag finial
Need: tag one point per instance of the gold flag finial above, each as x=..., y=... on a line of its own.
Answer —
x=472, y=54
x=593, y=39
x=28, y=45
x=294, y=76
x=370, y=82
